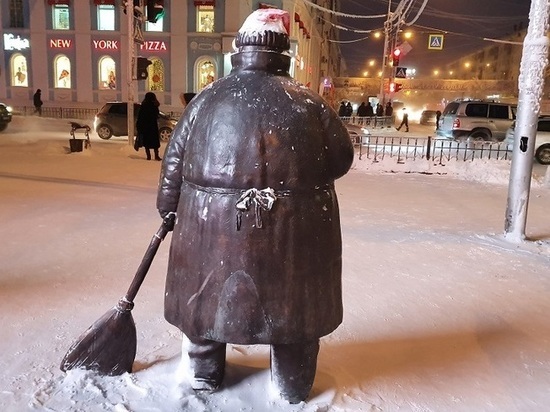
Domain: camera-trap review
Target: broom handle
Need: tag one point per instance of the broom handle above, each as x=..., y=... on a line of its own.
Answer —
x=166, y=226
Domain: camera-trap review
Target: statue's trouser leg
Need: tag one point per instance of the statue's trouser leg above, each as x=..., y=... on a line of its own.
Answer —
x=207, y=359
x=293, y=369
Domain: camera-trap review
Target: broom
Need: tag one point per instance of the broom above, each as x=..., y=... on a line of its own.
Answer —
x=109, y=345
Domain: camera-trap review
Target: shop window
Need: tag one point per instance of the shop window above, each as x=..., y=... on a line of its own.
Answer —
x=157, y=26
x=106, y=17
x=62, y=72
x=205, y=19
x=107, y=73
x=19, y=71
x=16, y=14
x=155, y=75
x=60, y=15
x=206, y=72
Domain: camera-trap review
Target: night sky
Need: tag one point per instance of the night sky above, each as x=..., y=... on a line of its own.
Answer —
x=466, y=22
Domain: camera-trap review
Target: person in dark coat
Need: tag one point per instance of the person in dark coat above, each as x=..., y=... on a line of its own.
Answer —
x=379, y=109
x=342, y=110
x=37, y=102
x=369, y=110
x=256, y=252
x=389, y=110
x=349, y=109
x=147, y=125
x=362, y=110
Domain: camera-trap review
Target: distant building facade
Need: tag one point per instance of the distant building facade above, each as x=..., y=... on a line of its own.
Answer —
x=79, y=55
x=497, y=61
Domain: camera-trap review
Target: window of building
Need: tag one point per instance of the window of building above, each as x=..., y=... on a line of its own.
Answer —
x=19, y=71
x=206, y=72
x=60, y=16
x=106, y=17
x=155, y=75
x=16, y=14
x=205, y=19
x=157, y=26
x=62, y=72
x=107, y=73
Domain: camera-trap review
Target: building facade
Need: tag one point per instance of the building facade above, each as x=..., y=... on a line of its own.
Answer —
x=81, y=56
x=498, y=61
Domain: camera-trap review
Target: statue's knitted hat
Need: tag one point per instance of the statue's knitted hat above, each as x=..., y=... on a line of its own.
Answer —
x=265, y=29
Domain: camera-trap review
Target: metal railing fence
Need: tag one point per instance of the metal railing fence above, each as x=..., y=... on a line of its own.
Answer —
x=69, y=112
x=439, y=151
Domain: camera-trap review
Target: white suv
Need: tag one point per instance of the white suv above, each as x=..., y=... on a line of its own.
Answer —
x=542, y=140
x=476, y=120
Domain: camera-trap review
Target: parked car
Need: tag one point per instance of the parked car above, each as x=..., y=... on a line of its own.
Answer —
x=358, y=134
x=428, y=117
x=112, y=120
x=5, y=116
x=476, y=120
x=542, y=140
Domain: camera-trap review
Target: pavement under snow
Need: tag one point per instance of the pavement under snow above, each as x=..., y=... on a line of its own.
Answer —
x=440, y=312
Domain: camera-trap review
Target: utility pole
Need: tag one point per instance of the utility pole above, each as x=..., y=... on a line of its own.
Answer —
x=134, y=13
x=387, y=34
x=534, y=61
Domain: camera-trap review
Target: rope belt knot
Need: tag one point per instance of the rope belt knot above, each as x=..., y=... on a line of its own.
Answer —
x=260, y=199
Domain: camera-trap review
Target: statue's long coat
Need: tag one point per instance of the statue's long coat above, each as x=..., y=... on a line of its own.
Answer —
x=256, y=128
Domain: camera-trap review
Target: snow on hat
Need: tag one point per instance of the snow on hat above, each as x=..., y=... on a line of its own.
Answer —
x=266, y=28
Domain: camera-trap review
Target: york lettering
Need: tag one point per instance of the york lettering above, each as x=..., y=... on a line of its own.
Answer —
x=105, y=44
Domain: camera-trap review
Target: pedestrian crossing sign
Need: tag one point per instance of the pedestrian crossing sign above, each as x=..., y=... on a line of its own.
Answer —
x=435, y=42
x=401, y=72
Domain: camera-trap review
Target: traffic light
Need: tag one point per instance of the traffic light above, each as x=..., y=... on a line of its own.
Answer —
x=395, y=87
x=142, y=64
x=395, y=56
x=155, y=10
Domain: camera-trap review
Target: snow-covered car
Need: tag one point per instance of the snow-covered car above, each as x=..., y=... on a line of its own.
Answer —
x=5, y=116
x=542, y=140
x=358, y=134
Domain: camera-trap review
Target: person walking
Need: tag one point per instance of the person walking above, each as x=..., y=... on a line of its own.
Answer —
x=405, y=121
x=256, y=253
x=147, y=125
x=37, y=101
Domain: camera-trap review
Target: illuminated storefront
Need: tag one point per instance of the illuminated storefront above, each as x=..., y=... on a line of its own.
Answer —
x=80, y=55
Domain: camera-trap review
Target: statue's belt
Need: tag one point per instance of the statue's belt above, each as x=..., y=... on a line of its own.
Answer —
x=261, y=199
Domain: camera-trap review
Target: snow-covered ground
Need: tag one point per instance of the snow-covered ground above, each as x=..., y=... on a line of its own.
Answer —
x=441, y=313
